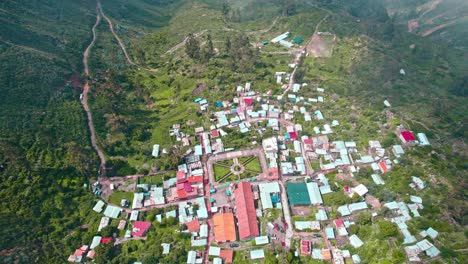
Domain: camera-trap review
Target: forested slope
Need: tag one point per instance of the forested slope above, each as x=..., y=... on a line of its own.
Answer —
x=45, y=157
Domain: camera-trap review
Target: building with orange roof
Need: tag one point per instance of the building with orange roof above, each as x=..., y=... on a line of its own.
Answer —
x=326, y=254
x=245, y=211
x=224, y=228
x=193, y=226
x=227, y=255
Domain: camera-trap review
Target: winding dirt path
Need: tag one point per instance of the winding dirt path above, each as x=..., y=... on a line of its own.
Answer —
x=84, y=100
x=119, y=41
x=299, y=55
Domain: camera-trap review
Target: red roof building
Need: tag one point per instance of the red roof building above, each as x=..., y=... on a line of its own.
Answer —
x=195, y=178
x=293, y=135
x=407, y=136
x=272, y=173
x=383, y=166
x=305, y=248
x=193, y=226
x=245, y=211
x=180, y=175
x=140, y=228
x=226, y=255
x=338, y=223
x=214, y=133
x=248, y=100
x=106, y=240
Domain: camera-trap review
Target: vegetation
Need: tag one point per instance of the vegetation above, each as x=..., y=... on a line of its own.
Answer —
x=46, y=161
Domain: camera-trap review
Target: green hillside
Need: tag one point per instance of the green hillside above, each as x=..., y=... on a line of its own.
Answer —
x=46, y=157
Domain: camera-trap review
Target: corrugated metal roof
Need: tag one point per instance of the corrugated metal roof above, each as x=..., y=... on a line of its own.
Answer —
x=257, y=254
x=355, y=241
x=314, y=193
x=297, y=193
x=224, y=228
x=245, y=211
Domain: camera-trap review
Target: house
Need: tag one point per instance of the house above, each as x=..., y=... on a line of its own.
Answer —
x=257, y=254
x=330, y=233
x=140, y=228
x=103, y=223
x=227, y=255
x=193, y=226
x=245, y=211
x=191, y=257
x=134, y=215
x=266, y=190
x=166, y=248
x=423, y=141
x=407, y=137
x=261, y=240
x=377, y=179
x=361, y=190
x=355, y=241
x=224, y=228
x=305, y=247
x=155, y=152
x=99, y=206
x=303, y=225
x=398, y=150
x=214, y=251
x=112, y=211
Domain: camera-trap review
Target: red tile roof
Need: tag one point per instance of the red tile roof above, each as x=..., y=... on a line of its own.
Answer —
x=195, y=178
x=140, y=228
x=245, y=211
x=193, y=226
x=408, y=136
x=227, y=255
x=308, y=141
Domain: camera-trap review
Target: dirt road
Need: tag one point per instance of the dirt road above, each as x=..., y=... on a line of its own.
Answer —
x=119, y=41
x=84, y=100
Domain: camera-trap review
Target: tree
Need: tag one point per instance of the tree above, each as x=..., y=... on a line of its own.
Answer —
x=192, y=47
x=227, y=45
x=106, y=252
x=226, y=8
x=387, y=229
x=108, y=231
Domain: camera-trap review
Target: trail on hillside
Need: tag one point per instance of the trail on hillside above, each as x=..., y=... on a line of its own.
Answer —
x=299, y=55
x=119, y=41
x=84, y=100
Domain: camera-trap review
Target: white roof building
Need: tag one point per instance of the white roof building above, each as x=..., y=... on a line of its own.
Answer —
x=265, y=190
x=99, y=206
x=112, y=211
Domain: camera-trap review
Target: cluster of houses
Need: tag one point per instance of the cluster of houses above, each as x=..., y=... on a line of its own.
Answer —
x=289, y=154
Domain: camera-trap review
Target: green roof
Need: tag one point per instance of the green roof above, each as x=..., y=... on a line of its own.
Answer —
x=298, y=39
x=297, y=193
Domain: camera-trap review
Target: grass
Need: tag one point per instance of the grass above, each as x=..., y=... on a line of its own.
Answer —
x=252, y=163
x=220, y=172
x=116, y=197
x=155, y=179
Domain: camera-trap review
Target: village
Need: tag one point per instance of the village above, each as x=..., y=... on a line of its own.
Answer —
x=273, y=191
